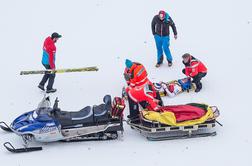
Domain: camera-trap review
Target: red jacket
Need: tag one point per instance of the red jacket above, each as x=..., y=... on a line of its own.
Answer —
x=50, y=48
x=194, y=67
x=138, y=75
x=145, y=93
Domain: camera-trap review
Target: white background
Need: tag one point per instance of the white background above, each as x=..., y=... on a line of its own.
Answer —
x=103, y=33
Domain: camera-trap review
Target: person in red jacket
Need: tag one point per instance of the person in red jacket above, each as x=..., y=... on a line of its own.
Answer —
x=48, y=61
x=140, y=89
x=194, y=69
x=135, y=74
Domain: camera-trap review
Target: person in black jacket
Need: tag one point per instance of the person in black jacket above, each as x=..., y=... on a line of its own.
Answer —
x=160, y=29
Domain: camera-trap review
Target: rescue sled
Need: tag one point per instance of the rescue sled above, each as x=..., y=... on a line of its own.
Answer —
x=178, y=124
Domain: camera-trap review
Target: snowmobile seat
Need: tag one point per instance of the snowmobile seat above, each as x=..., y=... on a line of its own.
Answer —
x=84, y=116
x=107, y=100
x=101, y=113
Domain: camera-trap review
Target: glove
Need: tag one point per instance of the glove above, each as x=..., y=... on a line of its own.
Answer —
x=127, y=76
x=124, y=93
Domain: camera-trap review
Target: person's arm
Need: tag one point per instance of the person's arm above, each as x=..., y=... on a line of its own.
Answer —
x=153, y=104
x=133, y=79
x=127, y=76
x=174, y=29
x=132, y=83
x=153, y=24
x=194, y=69
x=51, y=52
x=187, y=71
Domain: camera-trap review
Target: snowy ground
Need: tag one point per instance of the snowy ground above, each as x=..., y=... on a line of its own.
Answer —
x=104, y=33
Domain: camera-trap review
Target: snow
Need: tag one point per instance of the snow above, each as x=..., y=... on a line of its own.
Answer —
x=104, y=33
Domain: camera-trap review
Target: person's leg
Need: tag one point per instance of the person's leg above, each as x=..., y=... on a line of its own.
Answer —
x=51, y=81
x=155, y=93
x=158, y=97
x=161, y=59
x=183, y=71
x=166, y=45
x=197, y=79
x=133, y=108
x=45, y=77
x=158, y=42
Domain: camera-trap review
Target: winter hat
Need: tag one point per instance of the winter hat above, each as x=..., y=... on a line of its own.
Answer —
x=161, y=12
x=56, y=35
x=128, y=63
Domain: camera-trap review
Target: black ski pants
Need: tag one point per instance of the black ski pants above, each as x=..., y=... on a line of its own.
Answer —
x=197, y=79
x=47, y=77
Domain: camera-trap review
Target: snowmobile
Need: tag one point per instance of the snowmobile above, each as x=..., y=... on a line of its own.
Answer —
x=49, y=124
x=175, y=87
x=176, y=122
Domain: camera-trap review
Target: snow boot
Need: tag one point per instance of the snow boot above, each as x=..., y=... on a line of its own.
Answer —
x=169, y=63
x=160, y=61
x=158, y=65
x=41, y=87
x=197, y=90
x=51, y=90
x=199, y=87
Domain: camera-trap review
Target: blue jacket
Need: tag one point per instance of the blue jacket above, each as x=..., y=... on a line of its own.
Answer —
x=45, y=58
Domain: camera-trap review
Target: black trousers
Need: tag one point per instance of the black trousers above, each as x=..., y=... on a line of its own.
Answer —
x=133, y=108
x=197, y=79
x=47, y=77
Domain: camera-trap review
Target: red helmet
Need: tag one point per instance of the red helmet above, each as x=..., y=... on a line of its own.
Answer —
x=171, y=88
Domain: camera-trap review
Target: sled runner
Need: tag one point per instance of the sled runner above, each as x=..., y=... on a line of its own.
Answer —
x=49, y=71
x=176, y=124
x=46, y=124
x=175, y=87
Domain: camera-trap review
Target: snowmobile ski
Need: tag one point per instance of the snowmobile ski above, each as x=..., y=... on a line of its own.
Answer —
x=49, y=71
x=12, y=149
x=5, y=127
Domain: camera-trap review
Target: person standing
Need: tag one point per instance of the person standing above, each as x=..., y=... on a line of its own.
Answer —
x=48, y=61
x=160, y=29
x=194, y=69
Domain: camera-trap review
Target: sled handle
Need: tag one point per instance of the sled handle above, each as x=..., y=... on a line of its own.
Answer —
x=219, y=123
x=216, y=111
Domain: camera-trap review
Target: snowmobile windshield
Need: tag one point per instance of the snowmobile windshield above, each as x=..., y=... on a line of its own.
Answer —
x=45, y=103
x=43, y=113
